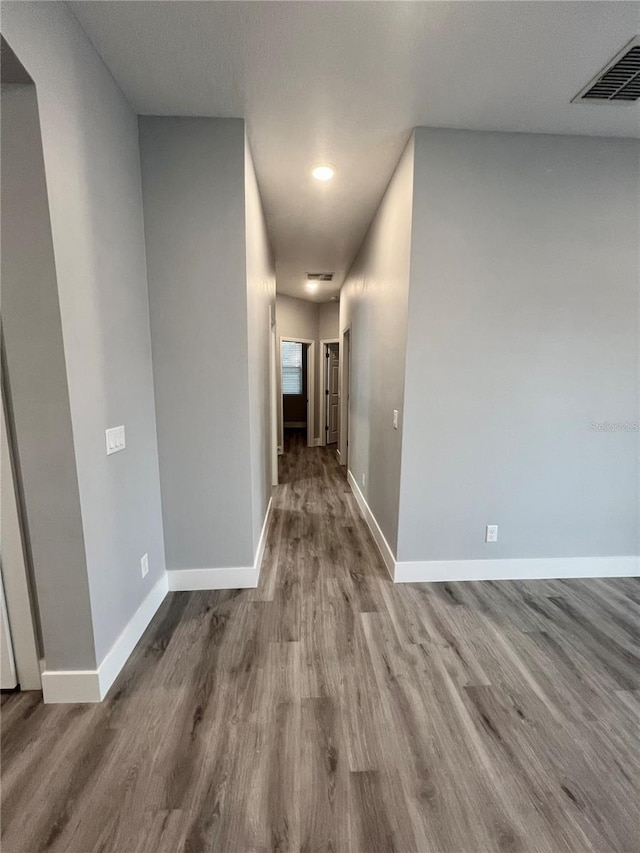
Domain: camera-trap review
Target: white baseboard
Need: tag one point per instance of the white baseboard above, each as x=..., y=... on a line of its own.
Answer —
x=433, y=571
x=235, y=577
x=316, y=442
x=257, y=563
x=378, y=535
x=516, y=569
x=76, y=685
x=91, y=685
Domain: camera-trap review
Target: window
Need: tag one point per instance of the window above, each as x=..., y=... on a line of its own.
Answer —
x=292, y=367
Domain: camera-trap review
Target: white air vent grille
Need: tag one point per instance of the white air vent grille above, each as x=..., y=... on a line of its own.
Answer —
x=619, y=81
x=319, y=276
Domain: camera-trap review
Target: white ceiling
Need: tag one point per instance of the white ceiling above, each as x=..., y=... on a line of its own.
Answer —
x=345, y=82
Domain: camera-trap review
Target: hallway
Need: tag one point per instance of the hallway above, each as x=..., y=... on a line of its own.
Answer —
x=331, y=710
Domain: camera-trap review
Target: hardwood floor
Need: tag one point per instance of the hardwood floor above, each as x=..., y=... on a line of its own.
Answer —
x=329, y=710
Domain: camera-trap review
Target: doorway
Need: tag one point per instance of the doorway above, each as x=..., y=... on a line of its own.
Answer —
x=34, y=389
x=330, y=392
x=297, y=366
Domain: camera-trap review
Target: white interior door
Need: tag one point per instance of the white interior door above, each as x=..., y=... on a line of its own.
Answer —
x=17, y=637
x=345, y=390
x=333, y=395
x=8, y=677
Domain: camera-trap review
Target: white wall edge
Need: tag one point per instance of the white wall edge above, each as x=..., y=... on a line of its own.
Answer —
x=372, y=524
x=91, y=685
x=542, y=568
x=235, y=577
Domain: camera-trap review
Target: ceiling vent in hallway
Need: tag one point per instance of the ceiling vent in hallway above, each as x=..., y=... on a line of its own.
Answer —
x=319, y=276
x=619, y=80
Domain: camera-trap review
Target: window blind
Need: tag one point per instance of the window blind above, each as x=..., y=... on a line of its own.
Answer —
x=291, y=367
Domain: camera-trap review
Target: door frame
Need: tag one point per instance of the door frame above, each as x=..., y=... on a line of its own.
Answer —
x=311, y=387
x=273, y=388
x=323, y=389
x=346, y=345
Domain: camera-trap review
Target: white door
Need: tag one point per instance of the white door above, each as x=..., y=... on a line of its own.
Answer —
x=8, y=677
x=333, y=392
x=19, y=652
x=345, y=392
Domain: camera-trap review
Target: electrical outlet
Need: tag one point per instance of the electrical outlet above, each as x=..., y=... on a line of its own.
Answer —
x=395, y=419
x=144, y=565
x=364, y=480
x=492, y=533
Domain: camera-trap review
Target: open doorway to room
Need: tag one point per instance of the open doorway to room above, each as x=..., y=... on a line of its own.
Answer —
x=297, y=389
x=330, y=391
x=34, y=391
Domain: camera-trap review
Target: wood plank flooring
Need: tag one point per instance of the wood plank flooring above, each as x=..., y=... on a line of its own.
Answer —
x=329, y=710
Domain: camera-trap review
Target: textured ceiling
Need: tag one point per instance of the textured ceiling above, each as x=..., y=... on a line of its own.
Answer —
x=346, y=82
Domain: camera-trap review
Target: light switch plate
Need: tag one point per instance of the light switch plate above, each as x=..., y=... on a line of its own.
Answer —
x=115, y=439
x=144, y=565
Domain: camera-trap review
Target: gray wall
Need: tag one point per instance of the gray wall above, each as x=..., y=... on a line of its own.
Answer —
x=36, y=393
x=193, y=184
x=328, y=320
x=523, y=331
x=92, y=164
x=373, y=300
x=261, y=295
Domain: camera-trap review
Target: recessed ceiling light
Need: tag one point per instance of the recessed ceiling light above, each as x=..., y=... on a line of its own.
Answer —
x=311, y=285
x=323, y=172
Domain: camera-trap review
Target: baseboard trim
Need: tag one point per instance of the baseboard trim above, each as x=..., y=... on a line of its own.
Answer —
x=374, y=527
x=543, y=568
x=316, y=442
x=516, y=569
x=77, y=685
x=235, y=577
x=91, y=685
x=262, y=542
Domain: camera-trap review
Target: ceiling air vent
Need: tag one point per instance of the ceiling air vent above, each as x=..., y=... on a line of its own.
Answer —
x=618, y=82
x=319, y=276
